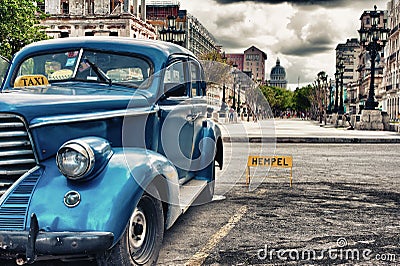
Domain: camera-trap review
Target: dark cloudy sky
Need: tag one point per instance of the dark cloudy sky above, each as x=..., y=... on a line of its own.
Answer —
x=302, y=33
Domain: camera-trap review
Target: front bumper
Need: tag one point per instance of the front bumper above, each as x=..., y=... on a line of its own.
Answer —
x=33, y=243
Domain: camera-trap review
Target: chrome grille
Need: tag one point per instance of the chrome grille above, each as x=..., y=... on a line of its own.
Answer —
x=14, y=209
x=16, y=152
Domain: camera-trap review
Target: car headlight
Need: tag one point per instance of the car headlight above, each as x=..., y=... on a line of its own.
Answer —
x=75, y=160
x=83, y=158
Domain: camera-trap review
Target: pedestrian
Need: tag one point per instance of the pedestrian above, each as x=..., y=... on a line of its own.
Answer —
x=231, y=111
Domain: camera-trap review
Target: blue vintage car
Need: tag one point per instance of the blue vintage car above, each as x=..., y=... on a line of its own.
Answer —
x=104, y=142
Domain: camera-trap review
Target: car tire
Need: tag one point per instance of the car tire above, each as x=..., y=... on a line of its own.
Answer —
x=141, y=242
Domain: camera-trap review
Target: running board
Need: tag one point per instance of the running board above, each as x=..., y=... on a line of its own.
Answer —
x=189, y=192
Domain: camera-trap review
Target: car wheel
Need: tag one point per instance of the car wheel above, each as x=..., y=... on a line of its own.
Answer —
x=142, y=239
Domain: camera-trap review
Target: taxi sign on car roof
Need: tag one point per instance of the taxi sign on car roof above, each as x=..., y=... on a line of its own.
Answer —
x=31, y=81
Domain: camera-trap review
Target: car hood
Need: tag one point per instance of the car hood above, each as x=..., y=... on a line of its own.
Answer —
x=36, y=106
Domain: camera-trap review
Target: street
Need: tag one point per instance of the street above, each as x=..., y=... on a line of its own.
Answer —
x=343, y=209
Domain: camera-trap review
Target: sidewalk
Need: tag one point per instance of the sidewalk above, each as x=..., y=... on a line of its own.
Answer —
x=300, y=131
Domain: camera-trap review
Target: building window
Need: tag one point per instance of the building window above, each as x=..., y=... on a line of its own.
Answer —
x=41, y=6
x=90, y=6
x=114, y=33
x=89, y=33
x=113, y=5
x=64, y=7
x=64, y=34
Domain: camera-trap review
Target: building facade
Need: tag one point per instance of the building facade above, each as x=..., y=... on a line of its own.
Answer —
x=278, y=76
x=391, y=89
x=348, y=54
x=96, y=18
x=254, y=62
x=251, y=62
x=199, y=39
x=195, y=37
x=236, y=59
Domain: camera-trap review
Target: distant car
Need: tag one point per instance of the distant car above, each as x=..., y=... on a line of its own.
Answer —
x=104, y=142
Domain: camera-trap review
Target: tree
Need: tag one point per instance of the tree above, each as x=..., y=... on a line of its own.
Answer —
x=302, y=98
x=19, y=25
x=216, y=68
x=278, y=98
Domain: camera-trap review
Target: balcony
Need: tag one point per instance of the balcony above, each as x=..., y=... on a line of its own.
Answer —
x=393, y=56
x=394, y=29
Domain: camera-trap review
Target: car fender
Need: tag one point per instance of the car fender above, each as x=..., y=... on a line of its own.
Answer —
x=209, y=142
x=106, y=201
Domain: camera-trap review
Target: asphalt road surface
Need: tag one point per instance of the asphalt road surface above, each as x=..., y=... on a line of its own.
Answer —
x=343, y=209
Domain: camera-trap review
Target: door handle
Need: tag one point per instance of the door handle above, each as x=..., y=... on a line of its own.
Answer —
x=192, y=117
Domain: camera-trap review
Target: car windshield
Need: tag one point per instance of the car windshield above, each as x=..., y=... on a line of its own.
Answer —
x=83, y=65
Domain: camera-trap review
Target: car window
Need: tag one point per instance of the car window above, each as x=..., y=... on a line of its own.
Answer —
x=175, y=73
x=195, y=79
x=119, y=68
x=175, y=77
x=86, y=66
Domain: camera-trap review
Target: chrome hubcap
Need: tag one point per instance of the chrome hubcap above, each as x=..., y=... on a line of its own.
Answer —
x=137, y=229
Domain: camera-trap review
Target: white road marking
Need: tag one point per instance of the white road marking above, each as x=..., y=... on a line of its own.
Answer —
x=201, y=255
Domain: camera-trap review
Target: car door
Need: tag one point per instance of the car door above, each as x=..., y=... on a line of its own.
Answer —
x=199, y=113
x=176, y=118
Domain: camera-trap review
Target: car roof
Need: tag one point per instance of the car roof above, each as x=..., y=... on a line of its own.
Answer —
x=157, y=51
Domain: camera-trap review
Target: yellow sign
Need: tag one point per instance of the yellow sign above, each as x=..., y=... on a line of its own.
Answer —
x=269, y=161
x=273, y=161
x=31, y=81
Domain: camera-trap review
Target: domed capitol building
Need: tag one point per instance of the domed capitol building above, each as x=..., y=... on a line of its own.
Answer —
x=278, y=76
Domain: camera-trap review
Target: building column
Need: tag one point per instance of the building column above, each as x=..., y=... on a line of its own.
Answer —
x=143, y=10
x=135, y=7
x=126, y=6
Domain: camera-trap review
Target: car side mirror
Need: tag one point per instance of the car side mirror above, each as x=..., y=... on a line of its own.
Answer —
x=175, y=89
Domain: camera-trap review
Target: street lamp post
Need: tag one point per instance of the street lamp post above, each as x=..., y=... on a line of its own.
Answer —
x=234, y=97
x=319, y=100
x=336, y=108
x=321, y=78
x=315, y=101
x=341, y=72
x=325, y=90
x=234, y=86
x=330, y=97
x=223, y=104
x=374, y=39
x=238, y=105
x=171, y=33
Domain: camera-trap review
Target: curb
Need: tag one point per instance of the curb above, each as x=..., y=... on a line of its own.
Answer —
x=326, y=140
